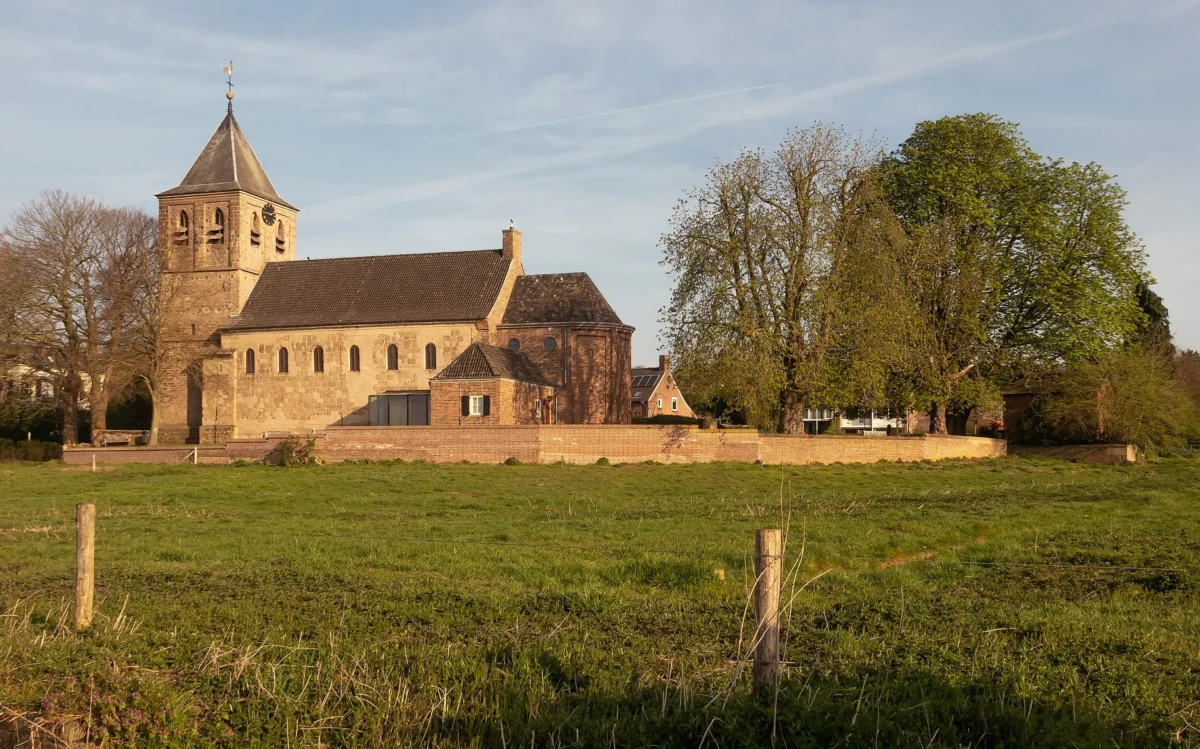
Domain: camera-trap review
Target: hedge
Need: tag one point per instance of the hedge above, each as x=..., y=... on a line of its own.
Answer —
x=29, y=450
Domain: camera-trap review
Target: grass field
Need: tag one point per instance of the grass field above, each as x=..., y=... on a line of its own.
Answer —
x=1004, y=603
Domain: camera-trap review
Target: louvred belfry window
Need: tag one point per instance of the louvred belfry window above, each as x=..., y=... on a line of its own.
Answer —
x=217, y=234
x=181, y=232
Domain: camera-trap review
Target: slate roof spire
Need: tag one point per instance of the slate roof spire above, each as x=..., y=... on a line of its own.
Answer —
x=228, y=163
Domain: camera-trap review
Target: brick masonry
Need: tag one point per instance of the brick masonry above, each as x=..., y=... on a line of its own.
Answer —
x=581, y=444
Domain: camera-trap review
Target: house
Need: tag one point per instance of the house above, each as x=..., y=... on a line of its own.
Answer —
x=267, y=343
x=655, y=392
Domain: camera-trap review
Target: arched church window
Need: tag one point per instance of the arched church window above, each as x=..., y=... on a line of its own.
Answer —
x=249, y=361
x=430, y=356
x=218, y=230
x=393, y=356
x=354, y=358
x=283, y=361
x=318, y=359
x=255, y=230
x=181, y=231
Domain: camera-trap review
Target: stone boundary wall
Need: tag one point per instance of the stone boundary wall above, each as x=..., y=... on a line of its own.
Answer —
x=579, y=444
x=584, y=444
x=173, y=454
x=1113, y=455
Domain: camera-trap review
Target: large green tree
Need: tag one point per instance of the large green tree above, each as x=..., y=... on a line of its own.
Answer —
x=1018, y=261
x=780, y=268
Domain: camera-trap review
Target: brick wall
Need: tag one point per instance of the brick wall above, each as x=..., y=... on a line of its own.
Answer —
x=1116, y=455
x=635, y=444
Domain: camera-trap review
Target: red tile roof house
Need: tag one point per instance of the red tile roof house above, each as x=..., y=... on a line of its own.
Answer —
x=655, y=391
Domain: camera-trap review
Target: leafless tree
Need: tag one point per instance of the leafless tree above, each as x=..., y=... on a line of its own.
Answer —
x=73, y=321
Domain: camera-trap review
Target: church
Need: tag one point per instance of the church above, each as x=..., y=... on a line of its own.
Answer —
x=259, y=342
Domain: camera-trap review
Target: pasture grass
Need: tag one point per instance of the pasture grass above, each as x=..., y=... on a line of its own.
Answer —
x=1013, y=602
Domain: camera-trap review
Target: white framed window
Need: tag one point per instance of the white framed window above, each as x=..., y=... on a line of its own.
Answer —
x=659, y=404
x=674, y=404
x=476, y=405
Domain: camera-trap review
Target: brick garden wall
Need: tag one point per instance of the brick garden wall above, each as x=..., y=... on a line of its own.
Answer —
x=580, y=444
x=635, y=444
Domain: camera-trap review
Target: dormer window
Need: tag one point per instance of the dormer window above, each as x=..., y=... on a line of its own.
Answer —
x=182, y=229
x=255, y=230
x=280, y=238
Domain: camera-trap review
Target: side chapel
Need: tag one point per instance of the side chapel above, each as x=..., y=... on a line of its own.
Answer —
x=262, y=342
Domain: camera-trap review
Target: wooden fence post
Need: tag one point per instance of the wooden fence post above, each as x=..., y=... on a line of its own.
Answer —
x=768, y=560
x=85, y=558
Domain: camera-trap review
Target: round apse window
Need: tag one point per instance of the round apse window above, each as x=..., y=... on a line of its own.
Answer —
x=549, y=344
x=514, y=344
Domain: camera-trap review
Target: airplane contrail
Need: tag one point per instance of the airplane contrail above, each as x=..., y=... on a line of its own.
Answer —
x=608, y=113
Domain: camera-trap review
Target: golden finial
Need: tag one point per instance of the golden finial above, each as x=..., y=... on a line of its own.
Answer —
x=228, y=70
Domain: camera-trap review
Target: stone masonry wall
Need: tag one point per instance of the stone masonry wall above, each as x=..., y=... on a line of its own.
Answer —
x=629, y=444
x=303, y=400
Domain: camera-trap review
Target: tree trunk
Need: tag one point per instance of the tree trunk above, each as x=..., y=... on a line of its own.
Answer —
x=937, y=418
x=70, y=418
x=152, y=439
x=99, y=405
x=791, y=414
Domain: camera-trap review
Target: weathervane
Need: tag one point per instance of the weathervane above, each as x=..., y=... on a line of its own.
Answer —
x=229, y=82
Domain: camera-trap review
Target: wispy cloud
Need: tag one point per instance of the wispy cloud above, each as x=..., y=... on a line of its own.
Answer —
x=622, y=145
x=608, y=113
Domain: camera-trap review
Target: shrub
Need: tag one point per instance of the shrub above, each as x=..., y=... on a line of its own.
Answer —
x=29, y=450
x=296, y=452
x=512, y=462
x=602, y=462
x=1131, y=396
x=668, y=419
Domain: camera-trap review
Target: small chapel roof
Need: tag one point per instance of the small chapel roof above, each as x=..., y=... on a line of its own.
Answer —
x=481, y=361
x=228, y=163
x=375, y=290
x=558, y=298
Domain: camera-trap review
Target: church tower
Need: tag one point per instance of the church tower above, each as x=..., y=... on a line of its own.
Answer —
x=219, y=228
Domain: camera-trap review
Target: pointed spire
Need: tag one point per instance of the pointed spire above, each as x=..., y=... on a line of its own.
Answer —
x=228, y=163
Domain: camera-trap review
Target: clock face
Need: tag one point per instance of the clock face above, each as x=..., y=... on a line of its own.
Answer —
x=268, y=214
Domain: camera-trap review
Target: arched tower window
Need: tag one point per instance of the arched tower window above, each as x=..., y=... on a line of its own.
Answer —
x=255, y=230
x=217, y=234
x=393, y=356
x=249, y=361
x=318, y=359
x=281, y=237
x=430, y=356
x=354, y=358
x=283, y=361
x=181, y=231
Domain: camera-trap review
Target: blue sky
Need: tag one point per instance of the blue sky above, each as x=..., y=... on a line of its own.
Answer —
x=408, y=127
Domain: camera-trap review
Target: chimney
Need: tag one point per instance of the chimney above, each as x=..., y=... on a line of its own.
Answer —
x=664, y=364
x=512, y=243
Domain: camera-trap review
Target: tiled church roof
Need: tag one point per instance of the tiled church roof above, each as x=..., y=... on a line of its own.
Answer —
x=558, y=298
x=228, y=163
x=374, y=290
x=481, y=361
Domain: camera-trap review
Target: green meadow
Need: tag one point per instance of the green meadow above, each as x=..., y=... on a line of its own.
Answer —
x=1004, y=603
